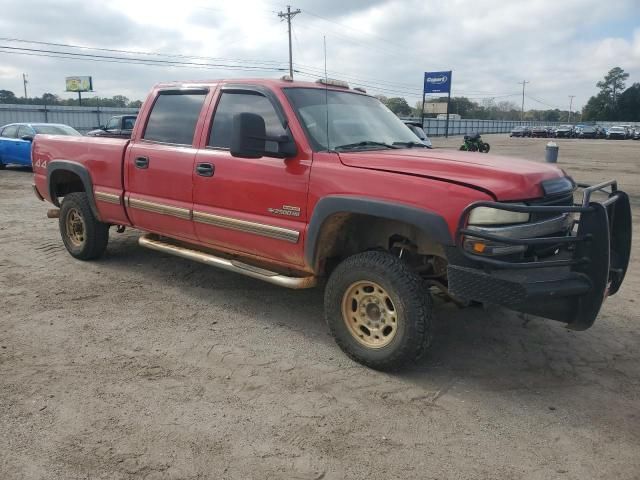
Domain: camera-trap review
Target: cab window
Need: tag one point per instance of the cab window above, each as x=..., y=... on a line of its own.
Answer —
x=10, y=132
x=232, y=103
x=174, y=116
x=25, y=130
x=113, y=124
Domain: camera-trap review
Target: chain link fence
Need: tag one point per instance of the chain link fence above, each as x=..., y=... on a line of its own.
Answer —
x=436, y=127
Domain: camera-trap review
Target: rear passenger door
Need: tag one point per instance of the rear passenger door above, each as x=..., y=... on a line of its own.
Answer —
x=159, y=165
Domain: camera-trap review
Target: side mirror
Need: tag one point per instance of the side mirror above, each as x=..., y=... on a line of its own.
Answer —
x=249, y=138
x=27, y=138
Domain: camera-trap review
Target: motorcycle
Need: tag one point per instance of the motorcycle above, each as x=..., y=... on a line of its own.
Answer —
x=474, y=143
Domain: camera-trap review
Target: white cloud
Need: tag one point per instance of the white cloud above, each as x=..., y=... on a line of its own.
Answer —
x=562, y=48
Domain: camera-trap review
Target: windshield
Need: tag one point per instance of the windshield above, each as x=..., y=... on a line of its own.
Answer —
x=355, y=121
x=56, y=130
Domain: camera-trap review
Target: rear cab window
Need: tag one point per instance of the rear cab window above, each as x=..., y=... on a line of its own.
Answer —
x=174, y=116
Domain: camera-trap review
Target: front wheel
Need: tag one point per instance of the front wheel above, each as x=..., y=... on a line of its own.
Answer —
x=485, y=148
x=84, y=236
x=378, y=310
x=464, y=147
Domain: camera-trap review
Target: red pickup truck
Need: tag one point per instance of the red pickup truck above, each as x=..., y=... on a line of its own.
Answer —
x=294, y=182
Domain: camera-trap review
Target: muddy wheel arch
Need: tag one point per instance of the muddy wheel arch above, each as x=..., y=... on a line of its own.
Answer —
x=332, y=213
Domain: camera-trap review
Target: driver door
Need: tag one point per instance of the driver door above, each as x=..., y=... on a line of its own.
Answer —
x=254, y=206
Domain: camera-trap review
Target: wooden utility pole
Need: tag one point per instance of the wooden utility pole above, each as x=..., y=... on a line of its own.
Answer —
x=571, y=97
x=524, y=82
x=25, y=81
x=289, y=15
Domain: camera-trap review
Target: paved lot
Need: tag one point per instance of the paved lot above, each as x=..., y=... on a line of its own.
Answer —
x=142, y=365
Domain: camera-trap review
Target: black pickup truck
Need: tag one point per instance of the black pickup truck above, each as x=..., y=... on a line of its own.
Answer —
x=119, y=126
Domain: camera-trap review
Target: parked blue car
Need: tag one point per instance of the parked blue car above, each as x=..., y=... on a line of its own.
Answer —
x=16, y=138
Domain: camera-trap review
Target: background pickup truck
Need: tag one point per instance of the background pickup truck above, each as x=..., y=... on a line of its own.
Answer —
x=293, y=182
x=119, y=126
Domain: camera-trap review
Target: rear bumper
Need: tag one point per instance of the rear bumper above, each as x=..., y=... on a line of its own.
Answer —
x=586, y=263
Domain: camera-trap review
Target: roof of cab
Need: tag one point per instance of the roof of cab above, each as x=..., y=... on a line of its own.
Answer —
x=267, y=82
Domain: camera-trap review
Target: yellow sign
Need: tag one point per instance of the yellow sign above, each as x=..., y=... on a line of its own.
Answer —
x=79, y=84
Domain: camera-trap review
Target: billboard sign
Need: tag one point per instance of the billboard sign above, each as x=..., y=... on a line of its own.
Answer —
x=79, y=84
x=434, y=108
x=437, y=82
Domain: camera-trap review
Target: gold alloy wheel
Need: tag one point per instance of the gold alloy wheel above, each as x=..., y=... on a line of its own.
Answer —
x=75, y=227
x=369, y=314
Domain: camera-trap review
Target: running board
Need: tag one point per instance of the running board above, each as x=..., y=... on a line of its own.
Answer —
x=152, y=242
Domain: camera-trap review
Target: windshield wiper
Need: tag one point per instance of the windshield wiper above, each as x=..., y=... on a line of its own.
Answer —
x=411, y=144
x=364, y=143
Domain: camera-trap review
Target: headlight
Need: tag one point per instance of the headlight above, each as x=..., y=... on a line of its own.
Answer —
x=495, y=216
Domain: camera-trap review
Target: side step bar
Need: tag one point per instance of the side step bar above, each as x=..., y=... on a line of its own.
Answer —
x=152, y=242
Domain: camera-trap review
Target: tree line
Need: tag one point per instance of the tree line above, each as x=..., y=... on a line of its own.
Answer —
x=488, y=109
x=613, y=102
x=120, y=101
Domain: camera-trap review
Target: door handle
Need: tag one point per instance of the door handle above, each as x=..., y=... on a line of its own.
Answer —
x=205, y=169
x=142, y=162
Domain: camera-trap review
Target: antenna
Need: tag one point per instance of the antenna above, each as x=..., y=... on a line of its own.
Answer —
x=326, y=89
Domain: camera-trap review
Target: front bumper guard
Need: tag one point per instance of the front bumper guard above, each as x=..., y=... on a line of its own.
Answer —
x=589, y=262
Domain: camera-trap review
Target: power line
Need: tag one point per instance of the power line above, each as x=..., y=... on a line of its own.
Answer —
x=542, y=102
x=402, y=47
x=138, y=52
x=131, y=61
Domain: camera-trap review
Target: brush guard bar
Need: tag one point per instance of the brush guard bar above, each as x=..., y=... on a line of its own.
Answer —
x=587, y=263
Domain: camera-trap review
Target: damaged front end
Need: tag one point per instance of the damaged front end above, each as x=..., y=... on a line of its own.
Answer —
x=560, y=261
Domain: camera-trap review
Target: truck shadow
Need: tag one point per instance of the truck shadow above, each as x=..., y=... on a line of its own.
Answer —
x=483, y=349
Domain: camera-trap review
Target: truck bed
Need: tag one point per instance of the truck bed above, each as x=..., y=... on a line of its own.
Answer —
x=102, y=157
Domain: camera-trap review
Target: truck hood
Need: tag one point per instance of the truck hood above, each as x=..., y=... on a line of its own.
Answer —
x=504, y=178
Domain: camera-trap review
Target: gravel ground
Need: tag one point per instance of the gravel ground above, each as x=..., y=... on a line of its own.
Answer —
x=142, y=365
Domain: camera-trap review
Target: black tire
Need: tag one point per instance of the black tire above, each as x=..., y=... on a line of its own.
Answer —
x=485, y=148
x=83, y=235
x=409, y=297
x=463, y=148
x=2, y=165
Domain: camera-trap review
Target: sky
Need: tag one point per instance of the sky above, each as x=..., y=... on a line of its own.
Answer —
x=561, y=48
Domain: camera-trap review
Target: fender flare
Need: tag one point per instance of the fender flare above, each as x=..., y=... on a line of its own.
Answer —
x=431, y=223
x=78, y=169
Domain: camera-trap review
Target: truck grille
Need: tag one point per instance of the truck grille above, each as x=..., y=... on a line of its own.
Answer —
x=555, y=201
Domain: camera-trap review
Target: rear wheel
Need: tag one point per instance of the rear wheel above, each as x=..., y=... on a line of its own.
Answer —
x=83, y=235
x=378, y=310
x=2, y=165
x=485, y=148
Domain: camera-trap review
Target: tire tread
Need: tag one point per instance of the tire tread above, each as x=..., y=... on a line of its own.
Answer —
x=414, y=295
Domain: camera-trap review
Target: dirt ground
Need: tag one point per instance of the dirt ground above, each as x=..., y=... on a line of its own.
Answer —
x=142, y=365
